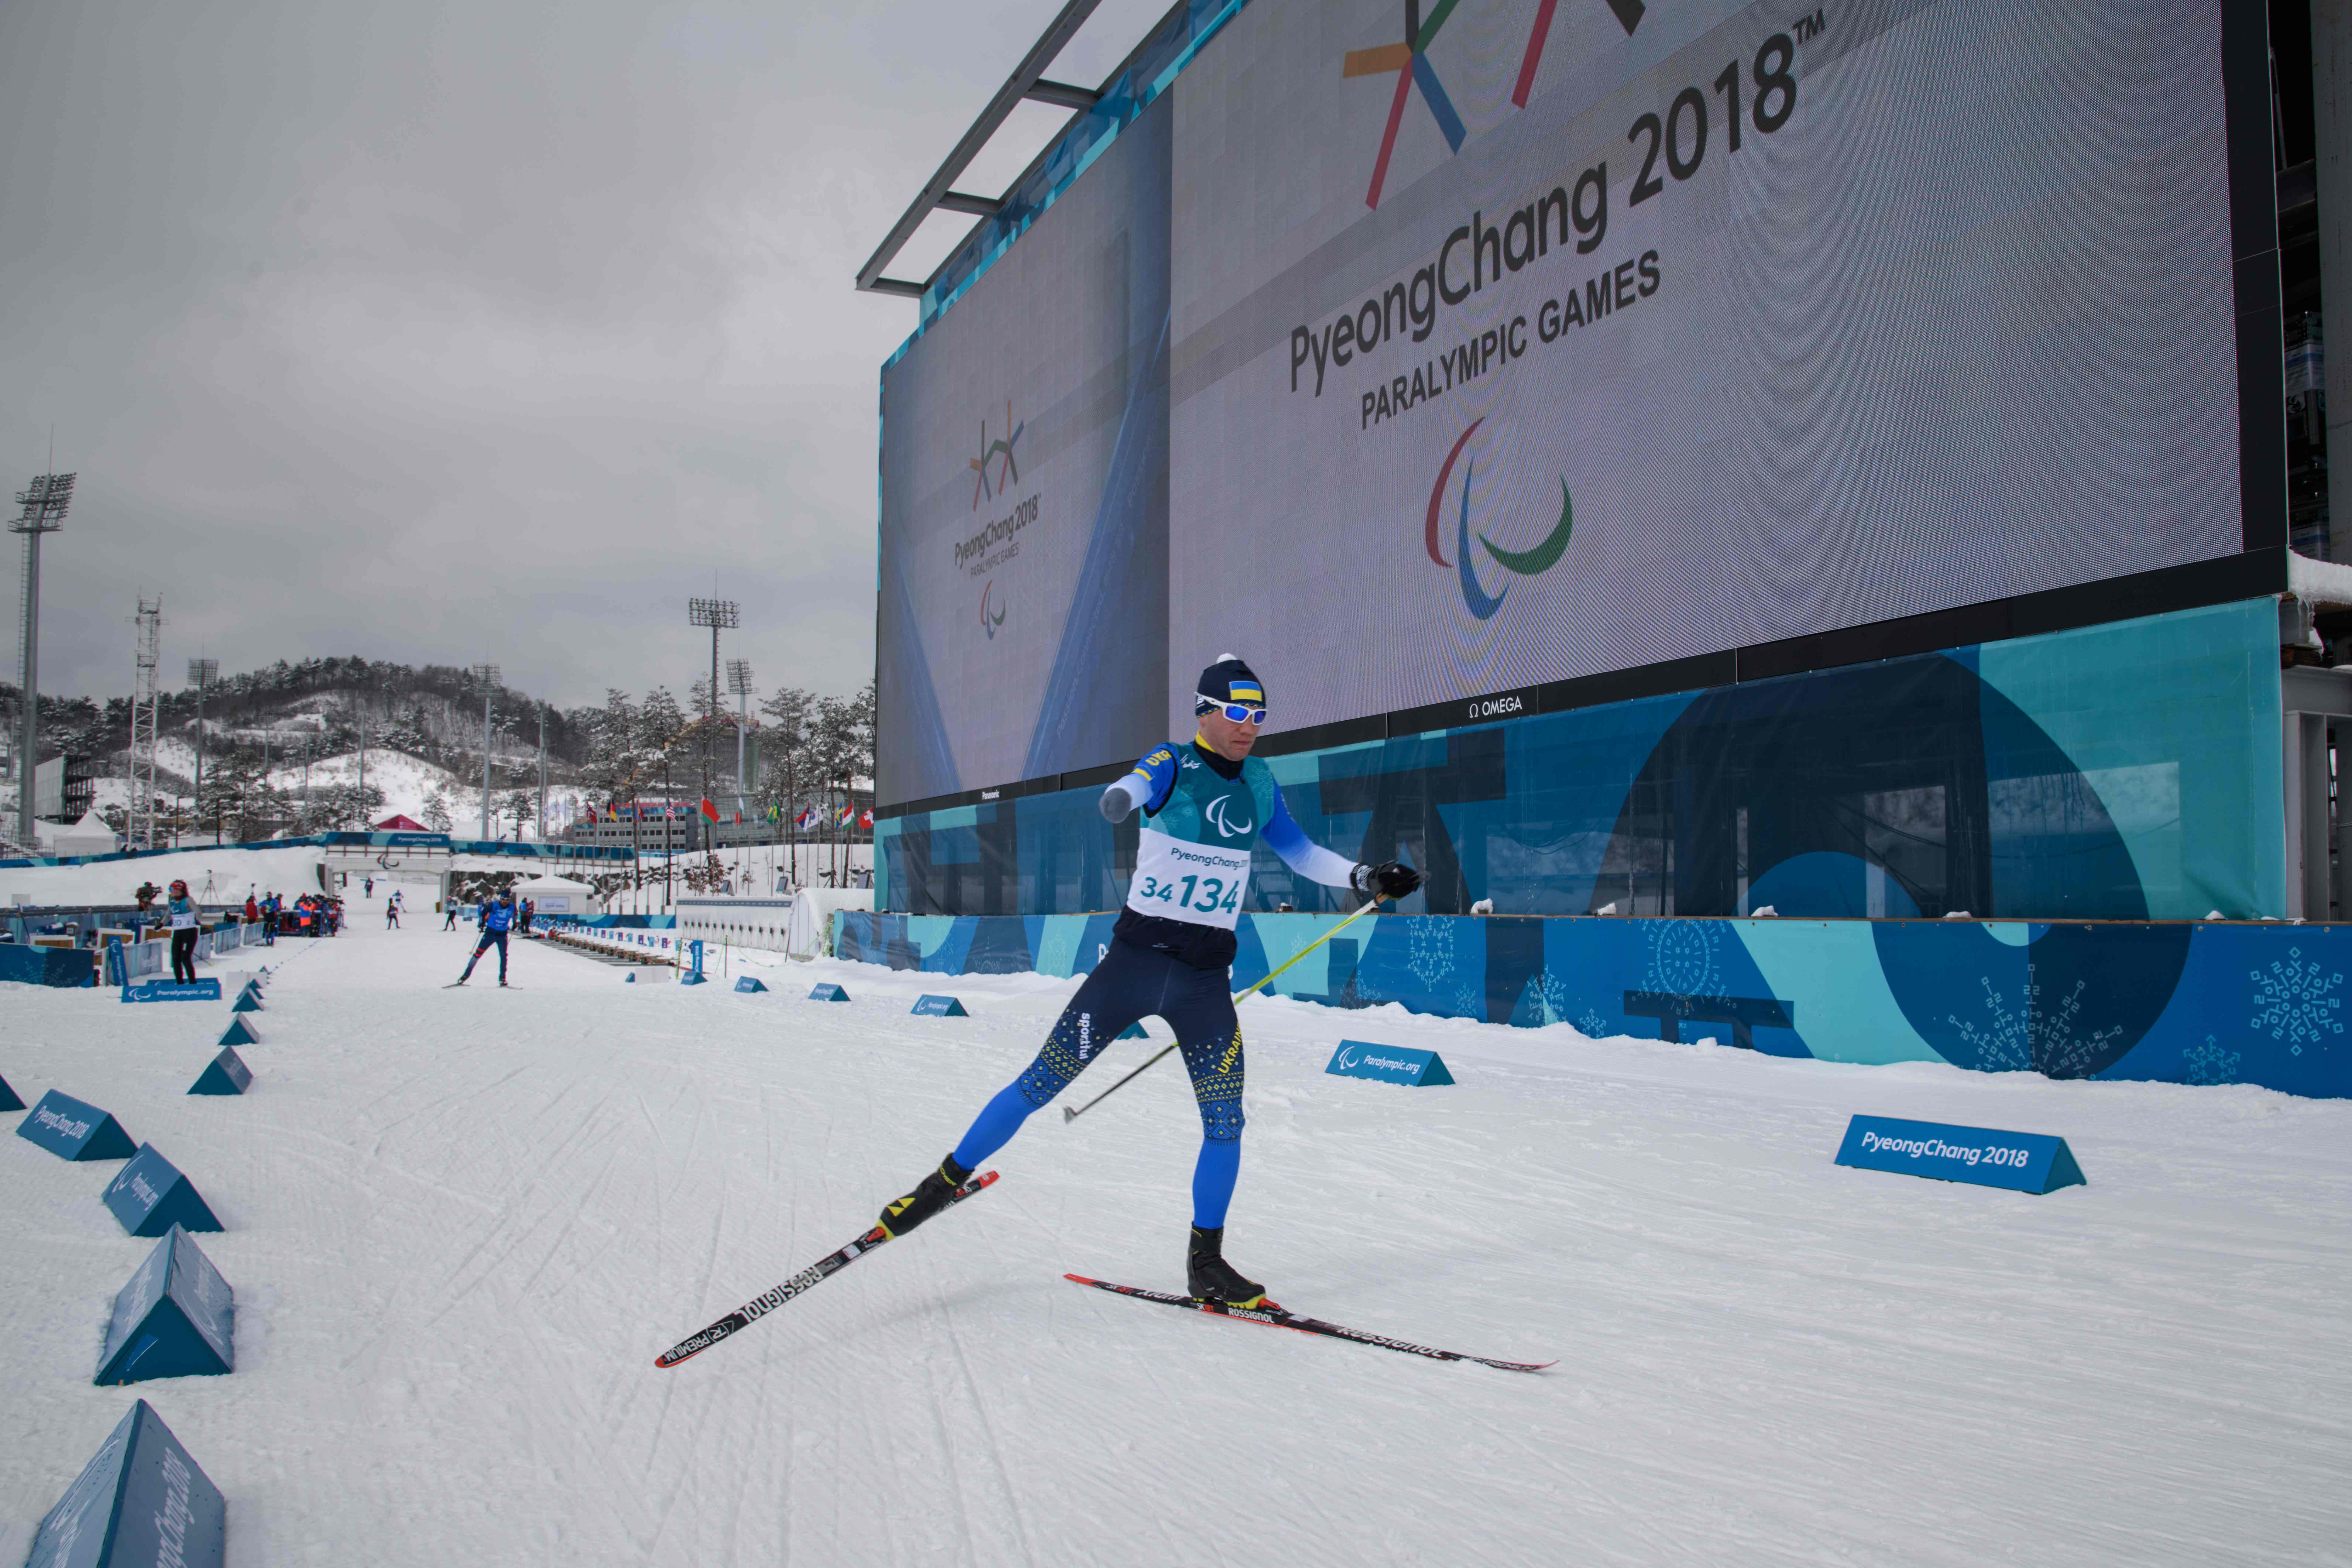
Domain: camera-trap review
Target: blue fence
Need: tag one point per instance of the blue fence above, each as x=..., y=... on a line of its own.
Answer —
x=2179, y=1003
x=28, y=963
x=2122, y=771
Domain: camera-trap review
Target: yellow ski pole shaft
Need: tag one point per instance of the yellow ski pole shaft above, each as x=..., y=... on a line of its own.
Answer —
x=1069, y=1115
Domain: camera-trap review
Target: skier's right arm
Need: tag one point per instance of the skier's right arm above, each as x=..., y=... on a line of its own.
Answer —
x=1147, y=786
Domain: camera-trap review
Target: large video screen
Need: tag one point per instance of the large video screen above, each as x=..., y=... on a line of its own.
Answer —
x=1518, y=339
x=1022, y=622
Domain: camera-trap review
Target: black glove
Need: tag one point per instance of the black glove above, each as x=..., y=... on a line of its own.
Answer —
x=1389, y=880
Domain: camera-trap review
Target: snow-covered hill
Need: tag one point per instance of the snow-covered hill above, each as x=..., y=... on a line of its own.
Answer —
x=406, y=781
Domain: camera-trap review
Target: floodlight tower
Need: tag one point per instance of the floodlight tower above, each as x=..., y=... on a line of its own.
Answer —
x=738, y=681
x=487, y=674
x=45, y=502
x=146, y=711
x=715, y=613
x=201, y=674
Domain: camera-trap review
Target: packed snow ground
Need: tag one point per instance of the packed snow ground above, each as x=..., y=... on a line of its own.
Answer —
x=461, y=1223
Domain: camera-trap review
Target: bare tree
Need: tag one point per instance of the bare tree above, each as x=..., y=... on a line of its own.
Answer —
x=663, y=731
x=519, y=804
x=784, y=748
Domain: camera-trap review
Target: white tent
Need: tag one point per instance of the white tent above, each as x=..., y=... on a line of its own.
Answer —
x=90, y=835
x=553, y=896
x=809, y=931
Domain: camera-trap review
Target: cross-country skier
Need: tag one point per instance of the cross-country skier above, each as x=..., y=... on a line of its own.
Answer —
x=1204, y=802
x=392, y=914
x=498, y=915
x=451, y=923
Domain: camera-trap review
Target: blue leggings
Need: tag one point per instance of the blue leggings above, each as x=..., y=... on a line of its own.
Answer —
x=1129, y=985
x=499, y=938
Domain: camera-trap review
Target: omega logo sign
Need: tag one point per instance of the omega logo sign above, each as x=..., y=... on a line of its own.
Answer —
x=1495, y=706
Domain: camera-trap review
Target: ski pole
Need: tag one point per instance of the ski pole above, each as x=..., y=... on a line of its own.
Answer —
x=1069, y=1115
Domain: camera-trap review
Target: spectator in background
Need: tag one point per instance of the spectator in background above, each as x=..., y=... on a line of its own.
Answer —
x=184, y=932
x=252, y=908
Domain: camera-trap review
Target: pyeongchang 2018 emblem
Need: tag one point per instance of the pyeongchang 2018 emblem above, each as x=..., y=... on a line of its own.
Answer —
x=1008, y=472
x=1532, y=562
x=1409, y=61
x=990, y=623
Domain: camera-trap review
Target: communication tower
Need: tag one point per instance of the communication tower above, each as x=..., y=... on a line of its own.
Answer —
x=146, y=712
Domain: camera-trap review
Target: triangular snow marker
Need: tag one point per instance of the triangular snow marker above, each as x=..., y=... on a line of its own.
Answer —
x=224, y=1074
x=175, y=1319
x=150, y=1197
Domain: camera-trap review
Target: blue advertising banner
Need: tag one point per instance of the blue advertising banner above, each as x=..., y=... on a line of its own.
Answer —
x=206, y=990
x=2021, y=1161
x=64, y=967
x=828, y=992
x=141, y=1499
x=240, y=1032
x=929, y=1006
x=150, y=1197
x=9, y=1099
x=71, y=1130
x=176, y=1318
x=2209, y=1001
x=226, y=1074
x=1388, y=1064
x=749, y=983
x=247, y=1000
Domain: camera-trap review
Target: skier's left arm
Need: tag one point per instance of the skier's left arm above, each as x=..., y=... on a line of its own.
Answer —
x=1311, y=860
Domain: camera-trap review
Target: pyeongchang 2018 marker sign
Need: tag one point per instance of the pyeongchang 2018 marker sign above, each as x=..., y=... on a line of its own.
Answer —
x=2021, y=1161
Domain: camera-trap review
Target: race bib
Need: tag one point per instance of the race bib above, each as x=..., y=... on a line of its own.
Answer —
x=183, y=922
x=1200, y=884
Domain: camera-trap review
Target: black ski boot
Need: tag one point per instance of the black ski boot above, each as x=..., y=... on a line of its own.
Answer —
x=1211, y=1279
x=900, y=1215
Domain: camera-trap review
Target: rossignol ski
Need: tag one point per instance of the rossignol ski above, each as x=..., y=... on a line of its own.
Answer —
x=1277, y=1317
x=816, y=1273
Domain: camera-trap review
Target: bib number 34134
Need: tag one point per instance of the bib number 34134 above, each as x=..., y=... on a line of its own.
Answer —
x=1210, y=895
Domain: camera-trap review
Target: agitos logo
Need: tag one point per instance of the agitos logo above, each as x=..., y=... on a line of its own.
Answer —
x=990, y=623
x=989, y=450
x=1409, y=61
x=1520, y=563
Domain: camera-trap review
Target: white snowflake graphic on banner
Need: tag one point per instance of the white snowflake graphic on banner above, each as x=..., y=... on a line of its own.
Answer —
x=1551, y=998
x=2032, y=1036
x=1429, y=951
x=2293, y=1002
x=1681, y=958
x=2207, y=1063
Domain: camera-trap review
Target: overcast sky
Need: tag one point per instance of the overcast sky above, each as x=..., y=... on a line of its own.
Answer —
x=441, y=332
